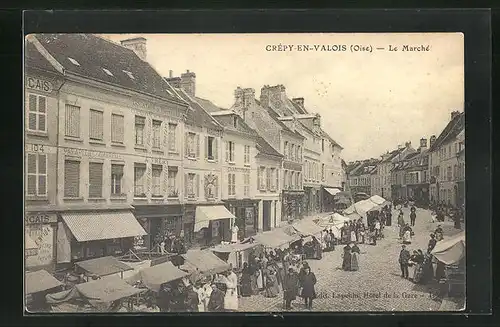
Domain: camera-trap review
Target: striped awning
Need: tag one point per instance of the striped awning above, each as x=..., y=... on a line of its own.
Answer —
x=93, y=226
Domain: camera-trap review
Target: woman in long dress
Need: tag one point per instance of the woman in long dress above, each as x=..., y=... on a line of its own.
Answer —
x=260, y=275
x=344, y=233
x=354, y=257
x=419, y=261
x=231, y=296
x=407, y=235
x=346, y=262
x=246, y=281
x=198, y=288
x=272, y=289
x=353, y=232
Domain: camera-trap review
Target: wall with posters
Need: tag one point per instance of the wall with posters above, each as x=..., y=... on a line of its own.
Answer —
x=42, y=229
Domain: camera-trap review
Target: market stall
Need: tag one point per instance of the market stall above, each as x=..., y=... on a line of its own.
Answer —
x=307, y=228
x=276, y=238
x=37, y=285
x=451, y=254
x=204, y=263
x=104, y=266
x=109, y=295
x=235, y=253
x=379, y=200
x=154, y=277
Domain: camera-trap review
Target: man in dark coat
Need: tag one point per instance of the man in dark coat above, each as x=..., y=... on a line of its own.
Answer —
x=290, y=287
x=191, y=300
x=165, y=298
x=346, y=262
x=216, y=302
x=404, y=257
x=413, y=215
x=308, y=291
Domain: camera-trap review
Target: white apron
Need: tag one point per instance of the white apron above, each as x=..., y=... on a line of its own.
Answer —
x=231, y=297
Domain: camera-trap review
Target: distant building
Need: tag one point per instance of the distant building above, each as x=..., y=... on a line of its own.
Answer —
x=446, y=162
x=360, y=178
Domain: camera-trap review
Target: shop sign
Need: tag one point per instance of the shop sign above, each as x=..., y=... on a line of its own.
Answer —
x=43, y=235
x=39, y=84
x=40, y=218
x=39, y=148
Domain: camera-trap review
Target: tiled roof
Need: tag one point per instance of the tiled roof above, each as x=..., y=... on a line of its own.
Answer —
x=34, y=59
x=275, y=116
x=208, y=105
x=298, y=108
x=366, y=167
x=197, y=115
x=325, y=134
x=266, y=148
x=88, y=55
x=227, y=122
x=454, y=127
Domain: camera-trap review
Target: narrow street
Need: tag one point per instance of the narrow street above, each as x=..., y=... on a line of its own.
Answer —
x=377, y=286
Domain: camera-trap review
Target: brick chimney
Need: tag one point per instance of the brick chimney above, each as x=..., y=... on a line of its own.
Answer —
x=299, y=101
x=174, y=81
x=454, y=114
x=188, y=82
x=138, y=45
x=269, y=93
x=432, y=140
x=423, y=144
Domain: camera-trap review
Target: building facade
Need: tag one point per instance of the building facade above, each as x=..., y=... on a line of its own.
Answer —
x=104, y=170
x=41, y=93
x=240, y=174
x=417, y=175
x=361, y=177
x=444, y=161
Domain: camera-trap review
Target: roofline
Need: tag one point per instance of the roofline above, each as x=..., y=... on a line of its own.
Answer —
x=46, y=54
x=70, y=74
x=274, y=156
x=289, y=131
x=194, y=100
x=240, y=133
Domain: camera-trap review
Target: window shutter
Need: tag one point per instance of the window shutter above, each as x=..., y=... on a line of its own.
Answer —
x=268, y=179
x=186, y=181
x=197, y=145
x=206, y=147
x=43, y=109
x=42, y=174
x=197, y=187
x=227, y=151
x=31, y=170
x=71, y=178
x=215, y=149
x=95, y=180
x=186, y=145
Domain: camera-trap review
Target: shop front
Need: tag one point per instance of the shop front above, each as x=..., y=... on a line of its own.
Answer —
x=294, y=205
x=41, y=229
x=247, y=216
x=85, y=235
x=213, y=224
x=419, y=193
x=328, y=198
x=159, y=221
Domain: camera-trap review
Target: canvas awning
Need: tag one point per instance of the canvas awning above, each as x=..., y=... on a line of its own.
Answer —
x=307, y=228
x=332, y=190
x=235, y=247
x=93, y=226
x=204, y=261
x=378, y=200
x=98, y=291
x=40, y=280
x=103, y=266
x=275, y=238
x=450, y=251
x=361, y=207
x=204, y=214
x=154, y=277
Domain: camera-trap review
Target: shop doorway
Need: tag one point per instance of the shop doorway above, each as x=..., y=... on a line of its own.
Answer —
x=266, y=215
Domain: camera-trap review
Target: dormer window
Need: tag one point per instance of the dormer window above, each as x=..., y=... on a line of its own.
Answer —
x=107, y=72
x=73, y=61
x=129, y=74
x=235, y=122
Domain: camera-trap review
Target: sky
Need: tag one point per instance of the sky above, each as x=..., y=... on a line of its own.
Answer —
x=370, y=102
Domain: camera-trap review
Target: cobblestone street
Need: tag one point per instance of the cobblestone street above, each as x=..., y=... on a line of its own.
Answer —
x=379, y=274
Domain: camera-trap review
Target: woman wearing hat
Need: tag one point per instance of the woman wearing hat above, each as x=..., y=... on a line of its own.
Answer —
x=272, y=289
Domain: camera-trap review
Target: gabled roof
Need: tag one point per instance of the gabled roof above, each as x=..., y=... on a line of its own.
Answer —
x=325, y=135
x=196, y=115
x=365, y=167
x=452, y=129
x=227, y=122
x=266, y=148
x=300, y=109
x=89, y=56
x=34, y=59
x=208, y=105
x=275, y=116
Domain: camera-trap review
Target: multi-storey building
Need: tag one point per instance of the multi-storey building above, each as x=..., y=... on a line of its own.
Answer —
x=360, y=178
x=383, y=173
x=282, y=140
x=417, y=175
x=444, y=160
x=119, y=127
x=41, y=92
x=241, y=178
